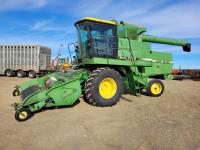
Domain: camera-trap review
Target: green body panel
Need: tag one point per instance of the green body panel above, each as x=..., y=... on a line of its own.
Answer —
x=66, y=89
x=168, y=77
x=130, y=31
x=102, y=61
x=65, y=94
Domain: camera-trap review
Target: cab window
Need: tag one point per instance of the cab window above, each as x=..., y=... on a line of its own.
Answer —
x=103, y=37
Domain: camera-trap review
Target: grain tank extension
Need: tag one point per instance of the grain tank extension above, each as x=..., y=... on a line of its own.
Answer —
x=112, y=58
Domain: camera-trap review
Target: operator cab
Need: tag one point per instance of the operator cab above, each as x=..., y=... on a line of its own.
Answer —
x=97, y=38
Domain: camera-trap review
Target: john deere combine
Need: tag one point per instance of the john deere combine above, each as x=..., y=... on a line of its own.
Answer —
x=111, y=58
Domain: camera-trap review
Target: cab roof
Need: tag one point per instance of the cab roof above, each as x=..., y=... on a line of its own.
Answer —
x=97, y=20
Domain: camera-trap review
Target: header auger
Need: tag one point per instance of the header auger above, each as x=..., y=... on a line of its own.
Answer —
x=112, y=58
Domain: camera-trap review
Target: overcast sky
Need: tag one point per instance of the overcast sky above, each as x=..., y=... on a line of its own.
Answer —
x=51, y=22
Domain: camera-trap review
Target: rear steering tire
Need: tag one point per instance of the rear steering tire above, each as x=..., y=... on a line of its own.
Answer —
x=155, y=88
x=23, y=114
x=104, y=87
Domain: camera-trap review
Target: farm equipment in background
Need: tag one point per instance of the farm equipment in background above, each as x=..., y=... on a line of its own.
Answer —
x=60, y=64
x=111, y=57
x=63, y=65
x=192, y=73
x=178, y=74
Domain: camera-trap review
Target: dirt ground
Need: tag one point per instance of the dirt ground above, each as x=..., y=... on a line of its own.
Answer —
x=170, y=122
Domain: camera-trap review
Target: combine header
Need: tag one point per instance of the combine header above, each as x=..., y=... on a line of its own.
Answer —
x=111, y=58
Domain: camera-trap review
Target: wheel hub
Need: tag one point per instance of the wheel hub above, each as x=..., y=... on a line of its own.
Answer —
x=156, y=88
x=23, y=115
x=107, y=88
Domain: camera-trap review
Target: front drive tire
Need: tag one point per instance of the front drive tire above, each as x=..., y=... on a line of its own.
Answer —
x=155, y=88
x=104, y=87
x=23, y=114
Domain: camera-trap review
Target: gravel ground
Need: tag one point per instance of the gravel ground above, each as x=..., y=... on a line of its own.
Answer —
x=169, y=122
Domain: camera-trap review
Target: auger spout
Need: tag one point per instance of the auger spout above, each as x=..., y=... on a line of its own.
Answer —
x=154, y=39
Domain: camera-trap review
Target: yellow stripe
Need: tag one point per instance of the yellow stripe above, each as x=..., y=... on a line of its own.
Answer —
x=98, y=20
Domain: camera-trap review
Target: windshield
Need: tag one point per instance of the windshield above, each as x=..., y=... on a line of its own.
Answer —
x=102, y=36
x=97, y=39
x=83, y=38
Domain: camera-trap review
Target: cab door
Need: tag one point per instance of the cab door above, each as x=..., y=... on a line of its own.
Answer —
x=104, y=40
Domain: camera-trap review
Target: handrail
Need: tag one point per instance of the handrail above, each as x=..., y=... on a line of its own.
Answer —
x=70, y=50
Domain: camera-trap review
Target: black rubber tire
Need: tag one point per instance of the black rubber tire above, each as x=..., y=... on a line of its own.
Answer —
x=9, y=73
x=16, y=92
x=151, y=82
x=21, y=73
x=92, y=87
x=31, y=74
x=17, y=114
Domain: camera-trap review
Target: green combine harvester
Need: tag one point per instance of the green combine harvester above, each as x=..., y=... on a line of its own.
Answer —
x=112, y=58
